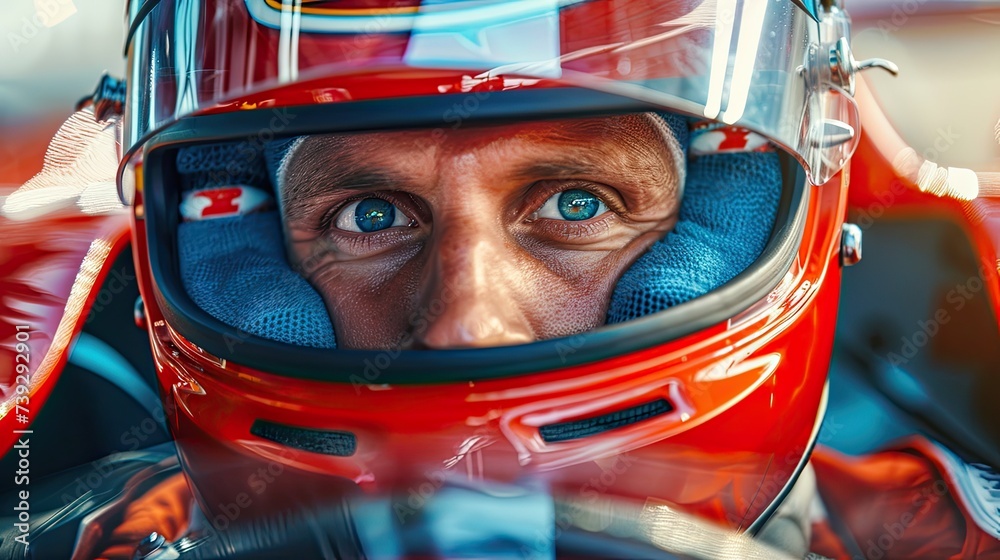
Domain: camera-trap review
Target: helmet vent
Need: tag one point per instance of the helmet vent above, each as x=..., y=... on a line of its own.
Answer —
x=327, y=442
x=565, y=431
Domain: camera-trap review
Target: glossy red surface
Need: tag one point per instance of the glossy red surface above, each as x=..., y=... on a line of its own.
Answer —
x=52, y=268
x=765, y=369
x=746, y=393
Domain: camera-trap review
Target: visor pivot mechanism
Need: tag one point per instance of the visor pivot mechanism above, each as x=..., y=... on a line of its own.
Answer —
x=843, y=65
x=107, y=101
x=850, y=245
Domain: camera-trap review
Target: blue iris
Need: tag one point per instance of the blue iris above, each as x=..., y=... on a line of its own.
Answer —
x=374, y=214
x=578, y=205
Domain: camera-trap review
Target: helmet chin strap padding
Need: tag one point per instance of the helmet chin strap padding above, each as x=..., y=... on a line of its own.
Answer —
x=234, y=267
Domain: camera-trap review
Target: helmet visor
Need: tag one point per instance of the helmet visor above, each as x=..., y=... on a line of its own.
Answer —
x=751, y=63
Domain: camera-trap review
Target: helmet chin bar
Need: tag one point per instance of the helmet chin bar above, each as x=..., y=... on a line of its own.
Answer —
x=482, y=519
x=758, y=524
x=444, y=512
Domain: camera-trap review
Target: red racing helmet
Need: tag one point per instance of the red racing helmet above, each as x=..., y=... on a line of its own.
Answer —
x=705, y=389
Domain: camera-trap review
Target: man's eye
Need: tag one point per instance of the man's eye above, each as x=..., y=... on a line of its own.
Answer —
x=572, y=205
x=370, y=215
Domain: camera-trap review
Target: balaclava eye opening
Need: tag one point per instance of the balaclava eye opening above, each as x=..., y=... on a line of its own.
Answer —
x=233, y=263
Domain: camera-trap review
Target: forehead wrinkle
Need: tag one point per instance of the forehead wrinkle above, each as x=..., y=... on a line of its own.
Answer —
x=638, y=147
x=559, y=148
x=647, y=126
x=641, y=134
x=640, y=155
x=652, y=155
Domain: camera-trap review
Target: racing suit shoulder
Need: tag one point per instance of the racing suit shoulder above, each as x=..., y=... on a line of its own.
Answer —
x=917, y=500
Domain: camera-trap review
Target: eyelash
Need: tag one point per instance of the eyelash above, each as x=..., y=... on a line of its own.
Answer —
x=359, y=243
x=608, y=195
x=326, y=222
x=539, y=193
x=570, y=229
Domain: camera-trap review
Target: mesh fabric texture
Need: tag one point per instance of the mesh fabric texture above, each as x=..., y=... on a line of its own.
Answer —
x=235, y=268
x=228, y=163
x=729, y=207
x=577, y=429
x=327, y=442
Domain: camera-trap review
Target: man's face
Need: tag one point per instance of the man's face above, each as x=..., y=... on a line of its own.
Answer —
x=480, y=236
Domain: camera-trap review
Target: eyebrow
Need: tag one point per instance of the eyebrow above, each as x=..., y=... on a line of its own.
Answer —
x=560, y=169
x=310, y=185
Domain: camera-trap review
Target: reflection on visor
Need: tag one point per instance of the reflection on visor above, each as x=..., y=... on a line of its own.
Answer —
x=752, y=63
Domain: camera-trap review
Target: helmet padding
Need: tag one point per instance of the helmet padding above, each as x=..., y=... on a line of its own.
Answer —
x=235, y=269
x=726, y=217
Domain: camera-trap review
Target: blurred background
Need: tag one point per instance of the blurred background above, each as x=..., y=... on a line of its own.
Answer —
x=53, y=51
x=948, y=90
